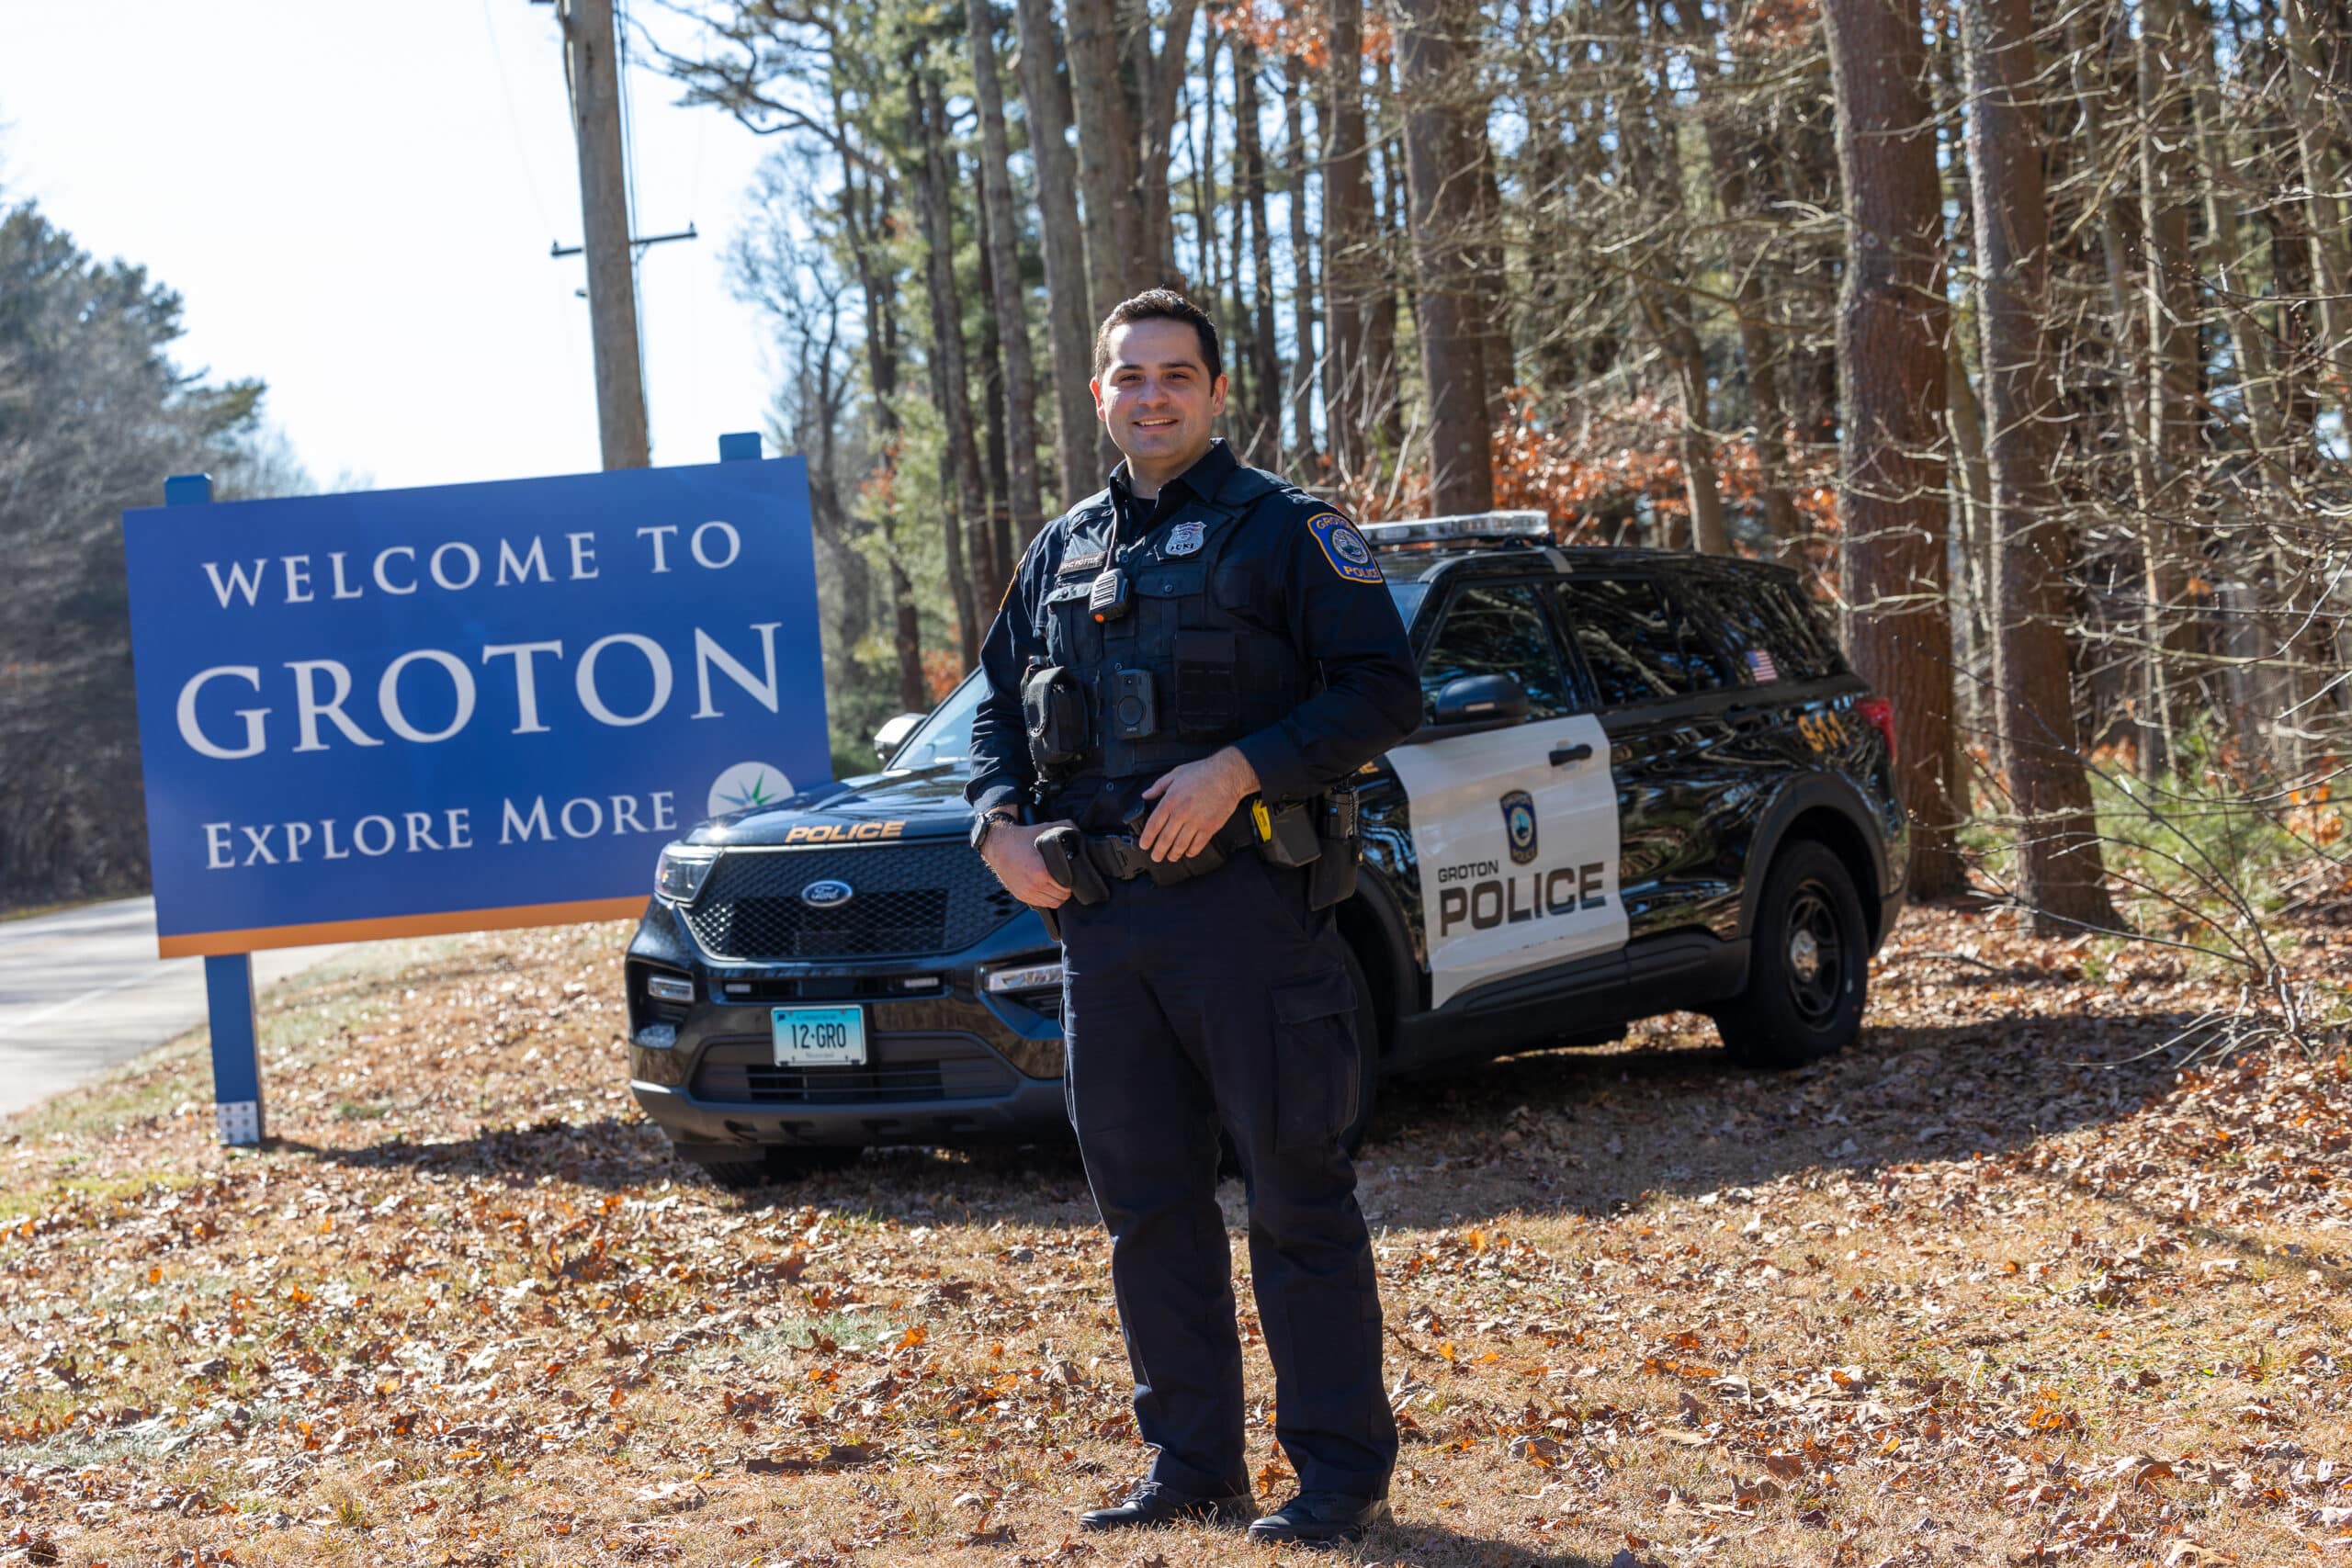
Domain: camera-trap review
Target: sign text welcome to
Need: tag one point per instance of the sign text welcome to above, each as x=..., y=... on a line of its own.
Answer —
x=404, y=712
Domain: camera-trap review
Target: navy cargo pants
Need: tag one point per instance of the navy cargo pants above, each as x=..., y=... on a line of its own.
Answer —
x=1224, y=1001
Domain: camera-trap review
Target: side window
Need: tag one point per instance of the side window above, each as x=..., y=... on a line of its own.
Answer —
x=1770, y=613
x=1496, y=629
x=1639, y=646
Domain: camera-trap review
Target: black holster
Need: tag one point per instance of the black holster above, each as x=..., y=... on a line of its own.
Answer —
x=1331, y=878
x=1063, y=850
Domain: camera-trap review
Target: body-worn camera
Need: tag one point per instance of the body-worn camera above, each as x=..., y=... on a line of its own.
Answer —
x=1135, y=706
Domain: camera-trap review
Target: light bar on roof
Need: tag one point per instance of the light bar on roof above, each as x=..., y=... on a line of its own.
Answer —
x=1463, y=525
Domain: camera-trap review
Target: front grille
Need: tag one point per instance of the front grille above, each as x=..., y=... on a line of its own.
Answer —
x=900, y=1067
x=906, y=900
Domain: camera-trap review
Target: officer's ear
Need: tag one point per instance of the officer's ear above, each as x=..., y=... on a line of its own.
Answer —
x=1216, y=395
x=1101, y=414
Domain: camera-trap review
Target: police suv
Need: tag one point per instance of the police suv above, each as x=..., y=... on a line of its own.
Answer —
x=1645, y=782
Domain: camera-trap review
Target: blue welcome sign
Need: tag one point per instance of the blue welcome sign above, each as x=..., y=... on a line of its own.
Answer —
x=470, y=706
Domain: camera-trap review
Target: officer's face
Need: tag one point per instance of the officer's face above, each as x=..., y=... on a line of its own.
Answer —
x=1155, y=398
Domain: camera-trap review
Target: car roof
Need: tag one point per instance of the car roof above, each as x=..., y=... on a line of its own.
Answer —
x=1429, y=563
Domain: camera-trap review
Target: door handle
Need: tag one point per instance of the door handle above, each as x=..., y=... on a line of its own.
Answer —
x=1563, y=755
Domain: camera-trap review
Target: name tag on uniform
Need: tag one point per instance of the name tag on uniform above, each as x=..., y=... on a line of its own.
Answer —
x=1072, y=565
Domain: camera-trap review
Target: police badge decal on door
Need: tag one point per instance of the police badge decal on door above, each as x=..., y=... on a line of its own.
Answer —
x=1518, y=853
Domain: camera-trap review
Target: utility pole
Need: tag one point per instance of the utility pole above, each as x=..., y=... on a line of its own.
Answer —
x=592, y=61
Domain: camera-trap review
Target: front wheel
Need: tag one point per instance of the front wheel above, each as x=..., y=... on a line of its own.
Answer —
x=1808, y=969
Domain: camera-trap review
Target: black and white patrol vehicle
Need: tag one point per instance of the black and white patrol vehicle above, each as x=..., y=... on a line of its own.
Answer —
x=1645, y=782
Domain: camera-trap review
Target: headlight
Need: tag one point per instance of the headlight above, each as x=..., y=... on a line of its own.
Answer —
x=1028, y=978
x=684, y=869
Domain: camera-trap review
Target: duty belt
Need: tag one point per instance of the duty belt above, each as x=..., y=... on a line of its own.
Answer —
x=1122, y=858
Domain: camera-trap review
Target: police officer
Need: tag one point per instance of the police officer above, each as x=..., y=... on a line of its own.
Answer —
x=1183, y=676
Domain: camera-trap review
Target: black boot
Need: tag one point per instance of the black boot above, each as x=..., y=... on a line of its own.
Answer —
x=1150, y=1503
x=1318, y=1518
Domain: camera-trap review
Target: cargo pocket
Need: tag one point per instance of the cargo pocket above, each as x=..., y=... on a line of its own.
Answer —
x=1316, y=1087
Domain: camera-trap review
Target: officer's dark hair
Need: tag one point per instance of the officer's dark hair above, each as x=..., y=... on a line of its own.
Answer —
x=1158, y=305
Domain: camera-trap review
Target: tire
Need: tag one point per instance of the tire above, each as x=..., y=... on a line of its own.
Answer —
x=770, y=1165
x=1808, y=971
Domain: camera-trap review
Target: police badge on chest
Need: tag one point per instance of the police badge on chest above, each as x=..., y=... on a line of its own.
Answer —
x=1184, y=538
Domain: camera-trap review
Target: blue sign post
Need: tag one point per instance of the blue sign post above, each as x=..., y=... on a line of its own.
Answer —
x=458, y=708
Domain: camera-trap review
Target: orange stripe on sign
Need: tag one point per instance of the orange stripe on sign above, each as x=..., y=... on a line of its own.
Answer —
x=208, y=944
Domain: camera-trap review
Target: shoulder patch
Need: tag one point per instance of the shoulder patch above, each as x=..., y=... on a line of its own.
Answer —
x=1344, y=547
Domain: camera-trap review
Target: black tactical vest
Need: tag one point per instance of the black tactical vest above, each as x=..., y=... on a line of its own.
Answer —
x=1197, y=646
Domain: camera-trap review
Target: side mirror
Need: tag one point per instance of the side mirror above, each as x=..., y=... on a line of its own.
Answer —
x=894, y=732
x=1481, y=699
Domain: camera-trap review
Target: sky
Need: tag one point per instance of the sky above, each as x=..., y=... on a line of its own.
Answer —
x=356, y=203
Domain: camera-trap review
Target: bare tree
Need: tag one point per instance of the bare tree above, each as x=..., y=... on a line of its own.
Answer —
x=1077, y=435
x=2060, y=877
x=1004, y=266
x=966, y=532
x=1442, y=174
x=1350, y=268
x=1891, y=333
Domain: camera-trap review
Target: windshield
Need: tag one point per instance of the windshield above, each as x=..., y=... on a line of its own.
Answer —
x=1408, y=597
x=946, y=735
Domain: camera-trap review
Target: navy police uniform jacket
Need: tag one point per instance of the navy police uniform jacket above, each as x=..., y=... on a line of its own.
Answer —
x=1257, y=619
x=1258, y=610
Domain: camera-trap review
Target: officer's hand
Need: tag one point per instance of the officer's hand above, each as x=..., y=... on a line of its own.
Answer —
x=1195, y=800
x=1012, y=852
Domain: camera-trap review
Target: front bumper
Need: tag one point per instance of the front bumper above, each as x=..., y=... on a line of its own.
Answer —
x=947, y=1061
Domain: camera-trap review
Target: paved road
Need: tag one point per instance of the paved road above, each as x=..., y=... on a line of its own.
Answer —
x=83, y=989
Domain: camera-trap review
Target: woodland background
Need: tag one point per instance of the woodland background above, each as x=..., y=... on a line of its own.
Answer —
x=2020, y=329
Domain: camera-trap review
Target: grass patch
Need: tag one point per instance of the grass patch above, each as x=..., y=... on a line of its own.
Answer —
x=1995, y=1267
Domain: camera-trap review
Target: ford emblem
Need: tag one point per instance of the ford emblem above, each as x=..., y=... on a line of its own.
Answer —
x=829, y=894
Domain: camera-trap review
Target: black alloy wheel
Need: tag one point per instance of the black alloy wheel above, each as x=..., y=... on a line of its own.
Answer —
x=1808, y=965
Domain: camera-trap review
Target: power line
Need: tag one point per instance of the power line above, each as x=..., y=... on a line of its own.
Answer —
x=513, y=121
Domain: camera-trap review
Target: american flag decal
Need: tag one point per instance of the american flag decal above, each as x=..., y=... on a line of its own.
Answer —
x=1761, y=665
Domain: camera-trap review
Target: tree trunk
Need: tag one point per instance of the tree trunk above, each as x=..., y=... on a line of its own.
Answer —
x=1004, y=264
x=950, y=393
x=1302, y=262
x=2165, y=194
x=1106, y=154
x=1265, y=418
x=1660, y=287
x=1001, y=549
x=1889, y=367
x=2249, y=348
x=1383, y=398
x=1442, y=177
x=1076, y=430
x=1728, y=160
x=2323, y=177
x=1350, y=269
x=2061, y=878
x=1157, y=75
x=867, y=223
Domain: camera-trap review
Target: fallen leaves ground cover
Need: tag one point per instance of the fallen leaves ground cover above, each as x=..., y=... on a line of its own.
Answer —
x=1999, y=1286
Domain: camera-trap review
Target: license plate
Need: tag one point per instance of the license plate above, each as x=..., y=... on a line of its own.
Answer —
x=819, y=1037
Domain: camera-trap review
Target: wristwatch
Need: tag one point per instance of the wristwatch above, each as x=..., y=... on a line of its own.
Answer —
x=986, y=823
